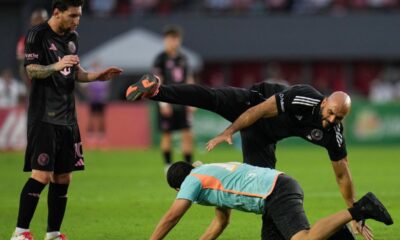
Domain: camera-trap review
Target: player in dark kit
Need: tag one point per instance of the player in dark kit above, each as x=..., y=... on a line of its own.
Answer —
x=172, y=67
x=303, y=112
x=54, y=146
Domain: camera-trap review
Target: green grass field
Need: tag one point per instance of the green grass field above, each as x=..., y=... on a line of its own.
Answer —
x=123, y=194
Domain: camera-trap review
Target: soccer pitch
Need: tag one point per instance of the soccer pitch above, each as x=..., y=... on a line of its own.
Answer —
x=123, y=194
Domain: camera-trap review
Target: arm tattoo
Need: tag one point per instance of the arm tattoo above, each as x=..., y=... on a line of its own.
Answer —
x=40, y=71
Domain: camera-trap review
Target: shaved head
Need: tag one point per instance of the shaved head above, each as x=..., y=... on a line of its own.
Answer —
x=342, y=102
x=334, y=108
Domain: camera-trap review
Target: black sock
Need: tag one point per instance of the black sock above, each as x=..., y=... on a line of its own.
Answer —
x=28, y=201
x=355, y=212
x=57, y=202
x=188, y=157
x=167, y=157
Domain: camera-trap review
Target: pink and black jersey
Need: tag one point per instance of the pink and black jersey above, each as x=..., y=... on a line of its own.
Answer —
x=52, y=98
x=173, y=70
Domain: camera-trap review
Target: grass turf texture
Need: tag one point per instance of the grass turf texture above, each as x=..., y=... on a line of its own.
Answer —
x=123, y=194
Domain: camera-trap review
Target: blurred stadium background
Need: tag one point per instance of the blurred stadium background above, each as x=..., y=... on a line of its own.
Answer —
x=349, y=45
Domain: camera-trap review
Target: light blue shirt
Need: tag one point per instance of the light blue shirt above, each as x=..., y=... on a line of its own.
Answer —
x=229, y=185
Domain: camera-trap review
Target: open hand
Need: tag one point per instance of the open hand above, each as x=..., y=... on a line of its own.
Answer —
x=109, y=73
x=364, y=230
x=219, y=139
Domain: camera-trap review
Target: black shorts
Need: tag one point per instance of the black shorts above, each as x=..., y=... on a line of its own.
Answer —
x=53, y=148
x=284, y=214
x=179, y=119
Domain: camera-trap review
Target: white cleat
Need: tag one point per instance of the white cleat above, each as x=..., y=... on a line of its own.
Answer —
x=22, y=236
x=59, y=237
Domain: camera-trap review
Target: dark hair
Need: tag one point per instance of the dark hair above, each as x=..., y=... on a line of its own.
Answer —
x=63, y=5
x=173, y=31
x=177, y=173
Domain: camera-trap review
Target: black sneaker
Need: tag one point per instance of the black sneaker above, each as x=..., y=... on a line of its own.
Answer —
x=371, y=207
x=147, y=86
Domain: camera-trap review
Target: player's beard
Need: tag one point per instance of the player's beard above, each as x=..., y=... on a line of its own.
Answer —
x=67, y=30
x=328, y=124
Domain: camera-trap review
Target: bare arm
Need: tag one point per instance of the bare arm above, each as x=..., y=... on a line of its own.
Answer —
x=346, y=187
x=344, y=180
x=218, y=224
x=40, y=72
x=171, y=218
x=107, y=74
x=265, y=109
x=85, y=76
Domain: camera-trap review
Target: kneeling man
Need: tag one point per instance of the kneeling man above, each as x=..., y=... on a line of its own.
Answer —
x=275, y=195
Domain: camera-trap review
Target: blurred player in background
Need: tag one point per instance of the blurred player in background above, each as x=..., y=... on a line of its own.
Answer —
x=277, y=196
x=54, y=147
x=38, y=16
x=97, y=93
x=173, y=68
x=12, y=91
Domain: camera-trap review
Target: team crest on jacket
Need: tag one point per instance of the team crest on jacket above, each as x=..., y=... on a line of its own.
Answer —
x=317, y=134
